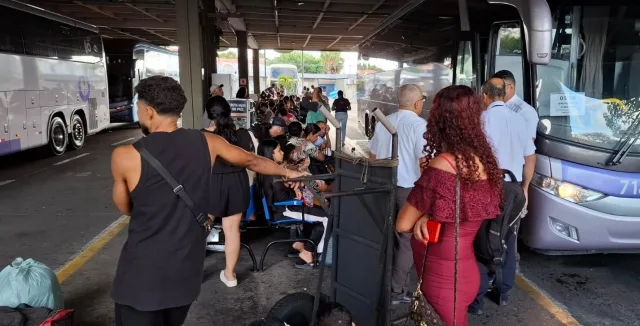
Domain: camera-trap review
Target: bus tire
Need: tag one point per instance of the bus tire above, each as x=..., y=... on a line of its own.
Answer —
x=58, y=137
x=367, y=132
x=78, y=134
x=295, y=309
x=372, y=126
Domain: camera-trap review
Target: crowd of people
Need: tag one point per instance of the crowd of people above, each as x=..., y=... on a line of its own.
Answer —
x=467, y=141
x=160, y=268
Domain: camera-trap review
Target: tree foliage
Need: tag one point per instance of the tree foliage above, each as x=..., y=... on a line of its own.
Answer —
x=332, y=62
x=287, y=83
x=228, y=55
x=510, y=45
x=367, y=66
x=312, y=65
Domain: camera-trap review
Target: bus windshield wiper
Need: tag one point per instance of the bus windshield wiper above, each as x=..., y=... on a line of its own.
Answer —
x=628, y=141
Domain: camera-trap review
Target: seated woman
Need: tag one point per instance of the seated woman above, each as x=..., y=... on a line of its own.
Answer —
x=278, y=192
x=305, y=149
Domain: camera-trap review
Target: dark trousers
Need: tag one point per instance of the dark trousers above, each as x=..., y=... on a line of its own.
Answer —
x=129, y=316
x=508, y=275
x=402, y=254
x=313, y=232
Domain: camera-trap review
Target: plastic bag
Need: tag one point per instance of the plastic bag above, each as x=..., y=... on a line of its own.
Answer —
x=32, y=283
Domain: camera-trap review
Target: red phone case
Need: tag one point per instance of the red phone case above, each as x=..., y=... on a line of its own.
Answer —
x=433, y=229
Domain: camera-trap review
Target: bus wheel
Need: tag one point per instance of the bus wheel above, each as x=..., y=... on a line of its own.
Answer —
x=372, y=127
x=367, y=132
x=58, y=136
x=77, y=134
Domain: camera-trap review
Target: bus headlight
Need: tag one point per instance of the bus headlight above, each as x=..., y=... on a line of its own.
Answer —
x=566, y=190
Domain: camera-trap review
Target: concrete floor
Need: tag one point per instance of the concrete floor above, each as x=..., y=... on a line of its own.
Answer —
x=55, y=207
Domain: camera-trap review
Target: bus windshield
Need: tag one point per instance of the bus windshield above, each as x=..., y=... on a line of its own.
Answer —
x=284, y=71
x=590, y=92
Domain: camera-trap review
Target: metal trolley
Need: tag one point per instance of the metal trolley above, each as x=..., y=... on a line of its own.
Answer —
x=361, y=212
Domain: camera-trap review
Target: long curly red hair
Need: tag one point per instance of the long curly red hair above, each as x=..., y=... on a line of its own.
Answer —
x=454, y=126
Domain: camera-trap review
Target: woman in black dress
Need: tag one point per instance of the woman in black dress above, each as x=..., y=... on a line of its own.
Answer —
x=229, y=184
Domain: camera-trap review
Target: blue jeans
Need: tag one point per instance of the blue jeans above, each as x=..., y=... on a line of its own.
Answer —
x=343, y=117
x=508, y=275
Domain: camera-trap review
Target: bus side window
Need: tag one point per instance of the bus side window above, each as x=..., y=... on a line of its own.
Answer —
x=509, y=51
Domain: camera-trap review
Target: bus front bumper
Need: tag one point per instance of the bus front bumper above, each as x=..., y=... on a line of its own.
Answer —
x=556, y=225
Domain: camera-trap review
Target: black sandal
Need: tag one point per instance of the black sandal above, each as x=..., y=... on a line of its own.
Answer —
x=301, y=264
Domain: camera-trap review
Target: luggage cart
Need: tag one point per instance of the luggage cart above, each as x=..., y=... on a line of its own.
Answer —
x=361, y=225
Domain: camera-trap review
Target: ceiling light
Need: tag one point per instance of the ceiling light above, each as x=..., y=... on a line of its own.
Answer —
x=300, y=3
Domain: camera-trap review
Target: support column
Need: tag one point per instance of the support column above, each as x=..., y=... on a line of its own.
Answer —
x=209, y=45
x=243, y=59
x=190, y=51
x=256, y=71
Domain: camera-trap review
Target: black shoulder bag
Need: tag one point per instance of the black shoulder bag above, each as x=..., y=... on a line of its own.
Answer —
x=202, y=219
x=421, y=311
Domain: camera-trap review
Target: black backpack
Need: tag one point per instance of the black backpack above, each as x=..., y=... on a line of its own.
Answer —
x=490, y=244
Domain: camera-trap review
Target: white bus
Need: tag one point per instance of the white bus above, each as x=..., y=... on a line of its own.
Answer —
x=129, y=62
x=53, y=81
x=276, y=70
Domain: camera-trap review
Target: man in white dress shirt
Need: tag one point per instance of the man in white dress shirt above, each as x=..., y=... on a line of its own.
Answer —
x=411, y=128
x=516, y=104
x=514, y=149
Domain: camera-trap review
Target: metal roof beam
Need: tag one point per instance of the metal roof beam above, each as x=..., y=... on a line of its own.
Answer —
x=134, y=23
x=161, y=36
x=127, y=34
x=259, y=29
x=334, y=42
x=96, y=9
x=361, y=19
x=324, y=8
x=144, y=12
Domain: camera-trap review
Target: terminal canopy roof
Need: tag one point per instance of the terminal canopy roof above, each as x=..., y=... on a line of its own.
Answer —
x=402, y=30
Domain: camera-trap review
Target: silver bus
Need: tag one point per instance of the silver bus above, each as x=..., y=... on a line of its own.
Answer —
x=129, y=62
x=576, y=65
x=53, y=80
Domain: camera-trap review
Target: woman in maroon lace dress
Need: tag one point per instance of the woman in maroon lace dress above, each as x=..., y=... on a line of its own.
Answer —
x=458, y=145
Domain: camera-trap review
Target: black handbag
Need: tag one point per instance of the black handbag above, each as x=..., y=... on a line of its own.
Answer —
x=421, y=312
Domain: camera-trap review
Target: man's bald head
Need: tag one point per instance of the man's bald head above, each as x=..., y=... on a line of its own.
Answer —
x=410, y=98
x=409, y=94
x=493, y=90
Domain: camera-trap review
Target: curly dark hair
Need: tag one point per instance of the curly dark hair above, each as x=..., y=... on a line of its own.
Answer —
x=164, y=94
x=454, y=126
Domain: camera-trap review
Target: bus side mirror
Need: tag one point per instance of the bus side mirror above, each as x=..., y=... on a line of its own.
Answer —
x=538, y=26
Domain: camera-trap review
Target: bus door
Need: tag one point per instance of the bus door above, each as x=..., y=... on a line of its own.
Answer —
x=507, y=52
x=466, y=60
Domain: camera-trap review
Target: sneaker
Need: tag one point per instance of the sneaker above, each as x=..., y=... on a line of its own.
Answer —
x=226, y=282
x=400, y=298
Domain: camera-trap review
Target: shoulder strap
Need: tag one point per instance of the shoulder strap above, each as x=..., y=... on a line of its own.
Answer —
x=178, y=189
x=457, y=235
x=451, y=164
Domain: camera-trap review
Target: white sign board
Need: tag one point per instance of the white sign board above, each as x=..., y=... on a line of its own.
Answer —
x=567, y=104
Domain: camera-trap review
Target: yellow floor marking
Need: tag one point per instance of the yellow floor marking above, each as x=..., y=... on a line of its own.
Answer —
x=91, y=249
x=564, y=317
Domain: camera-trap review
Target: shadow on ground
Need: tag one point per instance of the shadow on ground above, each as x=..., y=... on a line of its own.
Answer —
x=87, y=291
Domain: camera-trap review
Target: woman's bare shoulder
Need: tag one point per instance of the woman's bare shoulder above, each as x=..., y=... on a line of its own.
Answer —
x=443, y=162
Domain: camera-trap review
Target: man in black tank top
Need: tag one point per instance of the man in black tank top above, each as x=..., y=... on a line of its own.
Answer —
x=160, y=268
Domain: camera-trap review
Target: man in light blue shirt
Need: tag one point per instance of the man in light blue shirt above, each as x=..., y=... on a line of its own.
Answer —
x=514, y=149
x=411, y=128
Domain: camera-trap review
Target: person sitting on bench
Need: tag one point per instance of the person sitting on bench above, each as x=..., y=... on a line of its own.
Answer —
x=275, y=192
